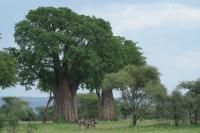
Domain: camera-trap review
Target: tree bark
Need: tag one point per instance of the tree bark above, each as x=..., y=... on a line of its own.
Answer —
x=190, y=116
x=64, y=102
x=176, y=120
x=108, y=112
x=98, y=92
x=45, y=117
x=196, y=116
x=134, y=120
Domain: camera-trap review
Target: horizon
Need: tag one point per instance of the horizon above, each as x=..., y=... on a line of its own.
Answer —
x=166, y=31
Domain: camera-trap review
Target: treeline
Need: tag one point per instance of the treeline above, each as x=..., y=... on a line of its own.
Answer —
x=60, y=51
x=181, y=106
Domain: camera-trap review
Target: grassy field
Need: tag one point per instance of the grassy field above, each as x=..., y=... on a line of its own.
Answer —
x=145, y=126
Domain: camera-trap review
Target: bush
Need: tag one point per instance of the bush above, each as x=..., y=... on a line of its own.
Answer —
x=87, y=105
x=2, y=120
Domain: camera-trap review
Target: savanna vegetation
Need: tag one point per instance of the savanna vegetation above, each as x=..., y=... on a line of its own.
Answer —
x=60, y=51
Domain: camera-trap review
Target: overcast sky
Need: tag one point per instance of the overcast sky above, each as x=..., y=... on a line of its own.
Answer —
x=167, y=31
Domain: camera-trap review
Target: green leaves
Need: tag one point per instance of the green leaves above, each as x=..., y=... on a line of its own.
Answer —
x=15, y=109
x=7, y=70
x=139, y=86
x=58, y=41
x=80, y=48
x=193, y=87
x=2, y=120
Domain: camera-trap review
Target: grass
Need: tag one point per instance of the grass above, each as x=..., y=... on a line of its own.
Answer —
x=145, y=126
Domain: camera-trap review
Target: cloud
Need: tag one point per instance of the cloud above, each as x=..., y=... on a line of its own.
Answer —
x=188, y=60
x=127, y=17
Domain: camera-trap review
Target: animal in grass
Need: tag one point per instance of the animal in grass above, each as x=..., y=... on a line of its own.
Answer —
x=87, y=123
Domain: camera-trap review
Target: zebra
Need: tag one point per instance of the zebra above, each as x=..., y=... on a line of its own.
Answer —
x=87, y=123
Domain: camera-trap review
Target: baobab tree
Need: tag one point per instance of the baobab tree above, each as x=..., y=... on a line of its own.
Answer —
x=65, y=50
x=115, y=55
x=58, y=45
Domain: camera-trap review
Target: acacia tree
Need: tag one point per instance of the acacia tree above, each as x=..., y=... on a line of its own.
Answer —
x=193, y=93
x=15, y=109
x=114, y=56
x=177, y=107
x=58, y=45
x=138, y=86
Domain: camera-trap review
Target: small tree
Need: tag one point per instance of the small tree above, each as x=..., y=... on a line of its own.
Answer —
x=193, y=90
x=41, y=113
x=138, y=86
x=87, y=105
x=15, y=109
x=177, y=107
x=160, y=103
x=44, y=86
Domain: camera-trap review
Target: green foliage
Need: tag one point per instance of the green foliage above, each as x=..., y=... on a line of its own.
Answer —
x=114, y=55
x=29, y=115
x=192, y=98
x=15, y=109
x=87, y=105
x=54, y=41
x=40, y=113
x=139, y=86
x=7, y=70
x=177, y=107
x=124, y=109
x=193, y=87
x=2, y=120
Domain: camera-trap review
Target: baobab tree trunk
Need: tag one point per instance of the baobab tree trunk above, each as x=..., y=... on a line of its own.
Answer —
x=64, y=102
x=108, y=112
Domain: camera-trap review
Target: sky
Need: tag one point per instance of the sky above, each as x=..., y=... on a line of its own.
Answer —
x=166, y=30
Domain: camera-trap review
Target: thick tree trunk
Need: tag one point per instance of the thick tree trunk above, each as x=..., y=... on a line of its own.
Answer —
x=108, y=112
x=64, y=102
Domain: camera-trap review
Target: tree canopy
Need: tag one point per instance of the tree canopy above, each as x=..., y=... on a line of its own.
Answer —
x=138, y=85
x=193, y=95
x=57, y=40
x=114, y=55
x=7, y=70
x=63, y=49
